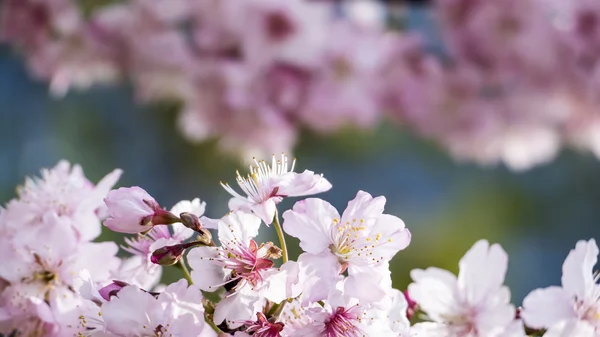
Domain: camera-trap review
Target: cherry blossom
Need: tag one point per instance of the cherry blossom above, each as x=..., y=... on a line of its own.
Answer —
x=244, y=268
x=474, y=304
x=266, y=185
x=176, y=311
x=41, y=277
x=62, y=191
x=573, y=308
x=363, y=240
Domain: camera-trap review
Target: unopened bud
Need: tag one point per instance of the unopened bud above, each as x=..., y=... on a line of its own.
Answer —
x=112, y=289
x=160, y=216
x=168, y=255
x=412, y=305
x=190, y=220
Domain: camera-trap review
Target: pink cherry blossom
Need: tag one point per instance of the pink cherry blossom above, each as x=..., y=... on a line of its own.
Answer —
x=266, y=185
x=343, y=315
x=474, y=304
x=362, y=237
x=41, y=276
x=133, y=210
x=62, y=191
x=243, y=267
x=346, y=88
x=574, y=306
x=176, y=311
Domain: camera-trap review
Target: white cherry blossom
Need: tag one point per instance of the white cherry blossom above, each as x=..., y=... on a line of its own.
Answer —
x=574, y=308
x=266, y=185
x=476, y=304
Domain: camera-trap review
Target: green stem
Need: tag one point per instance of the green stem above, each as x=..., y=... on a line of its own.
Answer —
x=212, y=324
x=181, y=266
x=281, y=237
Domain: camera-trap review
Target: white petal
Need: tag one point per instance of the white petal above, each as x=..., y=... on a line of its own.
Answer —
x=206, y=274
x=265, y=210
x=134, y=271
x=100, y=255
x=514, y=329
x=195, y=206
x=482, y=271
x=282, y=283
x=318, y=276
x=571, y=328
x=542, y=308
x=301, y=184
x=495, y=313
x=395, y=232
x=577, y=278
x=127, y=314
x=238, y=227
x=238, y=307
x=430, y=329
x=435, y=291
x=366, y=287
x=311, y=221
x=364, y=206
x=209, y=223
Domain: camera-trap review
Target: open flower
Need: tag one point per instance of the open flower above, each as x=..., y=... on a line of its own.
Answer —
x=266, y=185
x=343, y=315
x=574, y=308
x=133, y=210
x=475, y=304
x=41, y=277
x=243, y=267
x=63, y=191
x=177, y=311
x=363, y=240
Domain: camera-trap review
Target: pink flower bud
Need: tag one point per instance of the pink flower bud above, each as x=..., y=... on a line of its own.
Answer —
x=191, y=221
x=133, y=210
x=412, y=305
x=112, y=289
x=168, y=255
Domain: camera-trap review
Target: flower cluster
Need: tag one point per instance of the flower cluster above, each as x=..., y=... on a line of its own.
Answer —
x=54, y=281
x=518, y=78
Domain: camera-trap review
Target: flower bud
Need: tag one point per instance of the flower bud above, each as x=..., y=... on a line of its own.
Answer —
x=191, y=220
x=112, y=289
x=412, y=305
x=133, y=210
x=168, y=255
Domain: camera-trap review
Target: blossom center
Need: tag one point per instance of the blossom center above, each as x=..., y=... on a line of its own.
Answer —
x=257, y=185
x=352, y=241
x=245, y=263
x=343, y=323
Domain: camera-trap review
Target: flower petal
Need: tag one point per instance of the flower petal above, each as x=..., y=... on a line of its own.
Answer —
x=577, y=277
x=435, y=291
x=311, y=221
x=206, y=274
x=238, y=227
x=482, y=271
x=542, y=308
x=300, y=184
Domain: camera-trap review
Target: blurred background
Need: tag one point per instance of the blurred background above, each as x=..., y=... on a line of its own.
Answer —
x=536, y=215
